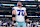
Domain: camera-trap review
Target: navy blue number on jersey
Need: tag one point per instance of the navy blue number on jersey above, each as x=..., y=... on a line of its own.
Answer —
x=21, y=11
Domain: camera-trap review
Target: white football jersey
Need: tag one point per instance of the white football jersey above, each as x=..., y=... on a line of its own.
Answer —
x=20, y=14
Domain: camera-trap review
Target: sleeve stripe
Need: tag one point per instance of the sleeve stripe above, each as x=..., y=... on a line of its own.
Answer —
x=12, y=9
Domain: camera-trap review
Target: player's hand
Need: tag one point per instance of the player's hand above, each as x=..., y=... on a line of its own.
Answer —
x=15, y=24
x=13, y=18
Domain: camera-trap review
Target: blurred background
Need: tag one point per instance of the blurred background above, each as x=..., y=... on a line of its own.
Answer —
x=32, y=9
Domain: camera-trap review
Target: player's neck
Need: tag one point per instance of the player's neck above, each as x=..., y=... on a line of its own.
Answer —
x=19, y=7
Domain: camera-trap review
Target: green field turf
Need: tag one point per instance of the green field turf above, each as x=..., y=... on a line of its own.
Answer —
x=38, y=26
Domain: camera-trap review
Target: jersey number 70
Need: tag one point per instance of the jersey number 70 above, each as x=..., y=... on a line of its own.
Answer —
x=20, y=12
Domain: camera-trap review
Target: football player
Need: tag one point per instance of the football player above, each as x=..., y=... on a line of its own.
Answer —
x=19, y=14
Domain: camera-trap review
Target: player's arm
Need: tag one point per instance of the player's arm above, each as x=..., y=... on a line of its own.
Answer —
x=25, y=14
x=13, y=15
